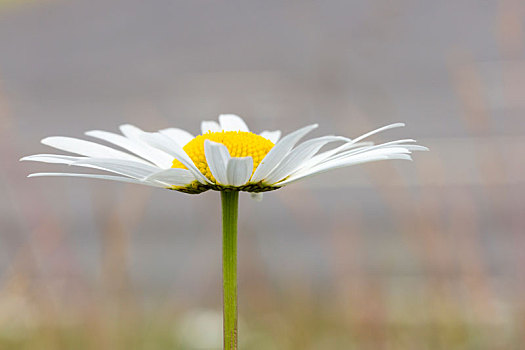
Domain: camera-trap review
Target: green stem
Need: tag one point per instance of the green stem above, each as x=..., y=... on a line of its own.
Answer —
x=230, y=203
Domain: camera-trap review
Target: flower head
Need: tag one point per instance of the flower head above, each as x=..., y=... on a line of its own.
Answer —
x=226, y=156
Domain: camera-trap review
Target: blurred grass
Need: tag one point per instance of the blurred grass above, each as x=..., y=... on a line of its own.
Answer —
x=290, y=317
x=287, y=329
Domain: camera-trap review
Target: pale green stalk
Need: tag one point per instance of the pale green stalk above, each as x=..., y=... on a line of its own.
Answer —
x=230, y=203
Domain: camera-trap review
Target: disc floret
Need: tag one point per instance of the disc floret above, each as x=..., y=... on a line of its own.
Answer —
x=239, y=144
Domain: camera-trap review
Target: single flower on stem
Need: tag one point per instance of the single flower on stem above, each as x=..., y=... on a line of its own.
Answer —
x=225, y=157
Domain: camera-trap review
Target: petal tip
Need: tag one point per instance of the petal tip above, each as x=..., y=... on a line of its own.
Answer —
x=46, y=140
x=92, y=133
x=232, y=122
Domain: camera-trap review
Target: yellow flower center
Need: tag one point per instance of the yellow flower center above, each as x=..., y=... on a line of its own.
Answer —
x=239, y=144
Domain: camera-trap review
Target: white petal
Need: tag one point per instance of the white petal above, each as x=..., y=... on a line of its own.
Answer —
x=374, y=155
x=360, y=150
x=52, y=158
x=162, y=142
x=102, y=177
x=162, y=159
x=339, y=164
x=166, y=144
x=173, y=177
x=86, y=148
x=387, y=127
x=239, y=170
x=416, y=148
x=298, y=156
x=217, y=157
x=278, y=152
x=209, y=126
x=257, y=196
x=182, y=137
x=131, y=131
x=232, y=122
x=135, y=146
x=378, y=152
x=321, y=157
x=351, y=147
x=273, y=136
x=123, y=167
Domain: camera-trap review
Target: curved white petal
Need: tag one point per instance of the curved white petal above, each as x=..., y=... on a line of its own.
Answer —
x=298, y=156
x=239, y=170
x=182, y=137
x=340, y=163
x=273, y=136
x=135, y=146
x=321, y=157
x=232, y=122
x=102, y=177
x=278, y=152
x=394, y=152
x=173, y=177
x=87, y=148
x=398, y=143
x=217, y=157
x=162, y=159
x=166, y=144
x=123, y=167
x=352, y=147
x=131, y=131
x=211, y=126
x=52, y=158
x=387, y=127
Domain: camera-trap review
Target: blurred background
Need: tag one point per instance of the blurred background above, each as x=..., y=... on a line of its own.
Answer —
x=419, y=255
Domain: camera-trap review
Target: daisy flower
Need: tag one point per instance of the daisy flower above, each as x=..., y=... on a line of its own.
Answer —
x=227, y=156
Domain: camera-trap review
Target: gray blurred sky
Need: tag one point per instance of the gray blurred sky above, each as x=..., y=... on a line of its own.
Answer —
x=76, y=64
x=452, y=70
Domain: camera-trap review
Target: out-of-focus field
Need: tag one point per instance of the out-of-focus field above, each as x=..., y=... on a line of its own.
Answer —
x=416, y=255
